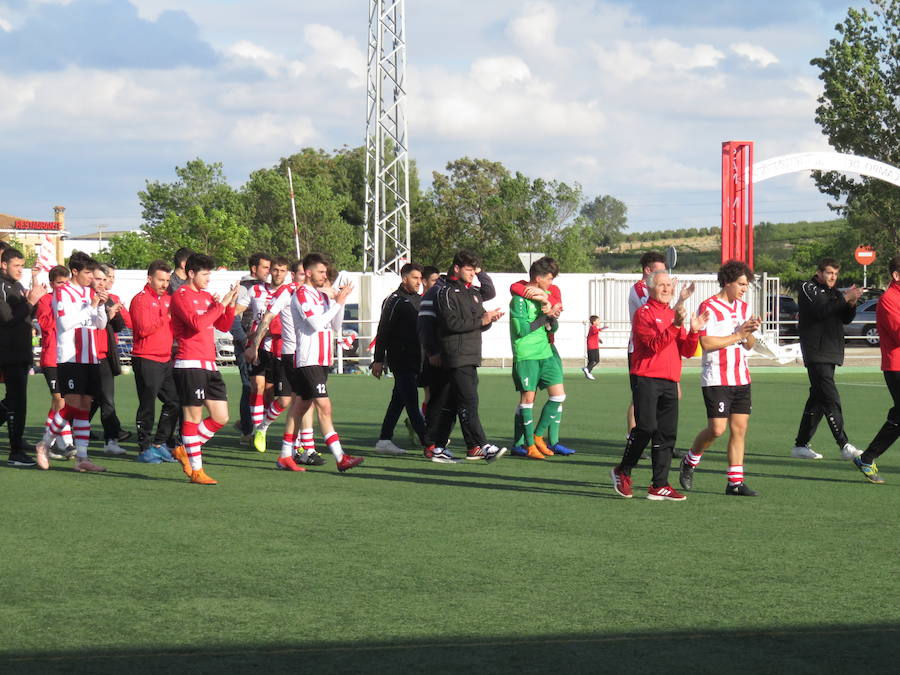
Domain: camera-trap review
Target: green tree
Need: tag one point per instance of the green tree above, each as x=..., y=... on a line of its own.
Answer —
x=199, y=185
x=130, y=250
x=606, y=218
x=859, y=113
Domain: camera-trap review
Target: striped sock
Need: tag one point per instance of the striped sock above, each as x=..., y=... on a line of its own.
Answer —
x=334, y=444
x=81, y=430
x=192, y=444
x=307, y=440
x=735, y=474
x=207, y=429
x=66, y=435
x=693, y=458
x=257, y=409
x=287, y=445
x=272, y=413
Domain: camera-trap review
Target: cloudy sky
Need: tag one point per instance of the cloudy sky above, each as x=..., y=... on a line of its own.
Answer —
x=631, y=99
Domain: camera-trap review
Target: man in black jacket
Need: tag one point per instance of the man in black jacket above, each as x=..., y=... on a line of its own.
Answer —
x=823, y=312
x=16, y=356
x=397, y=343
x=459, y=318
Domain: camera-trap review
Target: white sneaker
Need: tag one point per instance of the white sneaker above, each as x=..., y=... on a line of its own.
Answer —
x=387, y=447
x=850, y=451
x=442, y=456
x=492, y=452
x=113, y=448
x=590, y=376
x=805, y=452
x=586, y=373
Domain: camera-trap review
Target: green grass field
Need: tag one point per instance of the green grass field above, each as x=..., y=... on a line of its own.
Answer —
x=406, y=565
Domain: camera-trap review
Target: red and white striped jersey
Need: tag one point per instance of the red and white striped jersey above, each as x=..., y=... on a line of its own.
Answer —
x=726, y=366
x=637, y=298
x=280, y=306
x=260, y=296
x=316, y=320
x=77, y=322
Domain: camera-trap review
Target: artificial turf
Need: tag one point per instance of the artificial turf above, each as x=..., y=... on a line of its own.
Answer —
x=406, y=565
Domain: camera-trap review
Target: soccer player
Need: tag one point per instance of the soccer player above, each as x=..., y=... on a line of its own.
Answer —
x=316, y=321
x=16, y=356
x=398, y=345
x=534, y=364
x=823, y=312
x=551, y=304
x=659, y=342
x=267, y=345
x=107, y=345
x=459, y=319
x=280, y=311
x=80, y=312
x=724, y=375
x=151, y=359
x=195, y=315
x=59, y=276
x=887, y=319
x=253, y=296
x=593, y=346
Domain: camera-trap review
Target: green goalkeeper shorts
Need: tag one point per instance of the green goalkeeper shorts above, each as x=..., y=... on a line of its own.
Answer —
x=535, y=374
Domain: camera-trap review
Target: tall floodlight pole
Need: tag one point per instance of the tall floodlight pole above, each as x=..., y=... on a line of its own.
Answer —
x=386, y=239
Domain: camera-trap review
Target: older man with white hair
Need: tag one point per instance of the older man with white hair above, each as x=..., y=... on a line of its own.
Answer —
x=660, y=341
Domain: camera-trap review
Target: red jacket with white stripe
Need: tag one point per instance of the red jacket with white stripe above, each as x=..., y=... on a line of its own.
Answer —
x=152, y=326
x=195, y=315
x=47, y=322
x=887, y=319
x=658, y=343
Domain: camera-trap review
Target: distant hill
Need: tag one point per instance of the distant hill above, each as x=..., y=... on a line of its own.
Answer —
x=699, y=248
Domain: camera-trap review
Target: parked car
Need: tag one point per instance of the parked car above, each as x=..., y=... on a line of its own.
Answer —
x=788, y=314
x=863, y=325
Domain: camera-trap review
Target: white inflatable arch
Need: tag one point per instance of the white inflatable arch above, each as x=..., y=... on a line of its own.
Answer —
x=825, y=161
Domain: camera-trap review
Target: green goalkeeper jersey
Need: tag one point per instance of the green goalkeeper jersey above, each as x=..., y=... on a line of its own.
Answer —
x=528, y=343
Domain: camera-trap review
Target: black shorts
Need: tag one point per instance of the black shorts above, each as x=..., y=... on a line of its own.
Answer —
x=78, y=378
x=310, y=382
x=50, y=374
x=263, y=364
x=593, y=354
x=279, y=375
x=725, y=400
x=196, y=385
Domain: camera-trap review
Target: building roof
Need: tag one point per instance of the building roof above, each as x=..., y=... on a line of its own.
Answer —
x=7, y=222
x=105, y=234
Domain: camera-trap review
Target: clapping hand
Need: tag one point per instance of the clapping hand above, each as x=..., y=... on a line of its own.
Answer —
x=698, y=322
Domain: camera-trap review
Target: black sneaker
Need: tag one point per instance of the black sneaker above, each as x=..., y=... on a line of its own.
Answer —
x=313, y=458
x=19, y=458
x=740, y=490
x=123, y=435
x=686, y=477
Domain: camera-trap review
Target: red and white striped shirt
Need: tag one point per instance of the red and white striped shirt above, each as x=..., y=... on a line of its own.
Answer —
x=726, y=366
x=637, y=298
x=260, y=298
x=316, y=320
x=77, y=321
x=280, y=306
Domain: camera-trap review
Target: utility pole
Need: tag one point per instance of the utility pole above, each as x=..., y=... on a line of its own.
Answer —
x=386, y=240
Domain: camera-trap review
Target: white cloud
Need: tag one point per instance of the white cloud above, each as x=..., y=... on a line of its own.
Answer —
x=336, y=50
x=630, y=61
x=245, y=52
x=754, y=53
x=271, y=131
x=536, y=27
x=5, y=25
x=494, y=72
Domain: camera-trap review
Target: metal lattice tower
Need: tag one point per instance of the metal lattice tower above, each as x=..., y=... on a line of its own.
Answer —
x=386, y=240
